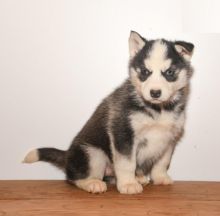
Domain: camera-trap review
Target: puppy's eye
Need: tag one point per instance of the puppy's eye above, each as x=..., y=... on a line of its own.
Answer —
x=144, y=73
x=169, y=72
x=170, y=75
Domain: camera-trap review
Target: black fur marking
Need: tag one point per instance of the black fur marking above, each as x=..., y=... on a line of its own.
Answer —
x=138, y=60
x=170, y=106
x=109, y=179
x=188, y=46
x=123, y=134
x=121, y=128
x=155, y=107
x=94, y=132
x=53, y=155
x=146, y=166
x=77, y=163
x=177, y=60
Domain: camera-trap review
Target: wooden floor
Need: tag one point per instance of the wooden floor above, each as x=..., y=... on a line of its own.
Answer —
x=38, y=198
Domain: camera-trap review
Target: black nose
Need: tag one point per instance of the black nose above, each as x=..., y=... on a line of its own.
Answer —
x=155, y=93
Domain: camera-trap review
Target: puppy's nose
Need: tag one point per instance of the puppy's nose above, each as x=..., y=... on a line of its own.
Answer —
x=155, y=93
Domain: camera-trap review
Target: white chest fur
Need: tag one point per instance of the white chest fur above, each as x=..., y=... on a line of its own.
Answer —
x=157, y=132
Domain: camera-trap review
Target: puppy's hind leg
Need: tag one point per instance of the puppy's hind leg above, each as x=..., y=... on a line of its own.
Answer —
x=96, y=163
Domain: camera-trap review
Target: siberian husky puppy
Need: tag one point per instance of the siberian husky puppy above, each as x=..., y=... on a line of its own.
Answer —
x=133, y=132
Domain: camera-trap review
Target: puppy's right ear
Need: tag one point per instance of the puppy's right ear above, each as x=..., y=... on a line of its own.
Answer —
x=136, y=43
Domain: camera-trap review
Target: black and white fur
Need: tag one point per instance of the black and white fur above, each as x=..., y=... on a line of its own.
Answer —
x=134, y=131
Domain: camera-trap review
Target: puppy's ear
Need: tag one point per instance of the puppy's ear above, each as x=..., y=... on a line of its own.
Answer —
x=185, y=49
x=136, y=43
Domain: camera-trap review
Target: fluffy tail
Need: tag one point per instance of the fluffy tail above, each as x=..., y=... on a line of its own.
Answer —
x=51, y=155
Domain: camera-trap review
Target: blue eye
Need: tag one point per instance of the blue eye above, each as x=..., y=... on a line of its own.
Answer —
x=170, y=75
x=169, y=72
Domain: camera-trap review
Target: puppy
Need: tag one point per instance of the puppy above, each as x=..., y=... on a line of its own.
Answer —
x=133, y=132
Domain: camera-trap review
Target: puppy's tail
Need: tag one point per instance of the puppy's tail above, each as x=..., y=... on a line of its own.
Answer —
x=51, y=155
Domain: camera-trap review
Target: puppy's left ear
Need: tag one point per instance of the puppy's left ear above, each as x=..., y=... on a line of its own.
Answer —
x=185, y=49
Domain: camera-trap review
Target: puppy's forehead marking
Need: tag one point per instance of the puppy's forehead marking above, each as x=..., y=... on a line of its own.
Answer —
x=158, y=50
x=157, y=58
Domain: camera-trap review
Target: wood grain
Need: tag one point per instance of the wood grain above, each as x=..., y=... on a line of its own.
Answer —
x=32, y=198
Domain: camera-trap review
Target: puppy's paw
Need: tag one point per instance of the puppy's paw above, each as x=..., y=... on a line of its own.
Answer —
x=144, y=180
x=92, y=185
x=130, y=188
x=96, y=186
x=162, y=179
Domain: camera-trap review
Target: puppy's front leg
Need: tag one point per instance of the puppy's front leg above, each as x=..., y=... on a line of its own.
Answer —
x=125, y=174
x=124, y=150
x=159, y=171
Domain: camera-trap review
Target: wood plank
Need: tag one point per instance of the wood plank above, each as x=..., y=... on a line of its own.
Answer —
x=30, y=198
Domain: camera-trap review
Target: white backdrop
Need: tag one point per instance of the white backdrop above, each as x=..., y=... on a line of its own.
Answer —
x=58, y=59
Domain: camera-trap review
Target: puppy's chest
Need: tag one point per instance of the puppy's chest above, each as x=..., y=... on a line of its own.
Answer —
x=153, y=134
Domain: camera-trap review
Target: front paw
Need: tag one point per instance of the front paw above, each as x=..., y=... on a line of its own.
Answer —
x=130, y=188
x=142, y=179
x=162, y=179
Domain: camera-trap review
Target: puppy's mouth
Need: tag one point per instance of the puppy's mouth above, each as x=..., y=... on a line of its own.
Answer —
x=156, y=101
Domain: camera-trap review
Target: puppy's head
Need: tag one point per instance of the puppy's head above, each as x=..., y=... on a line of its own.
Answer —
x=159, y=69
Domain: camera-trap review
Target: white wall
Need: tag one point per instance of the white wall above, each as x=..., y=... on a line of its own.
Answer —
x=58, y=59
x=201, y=16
